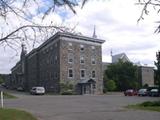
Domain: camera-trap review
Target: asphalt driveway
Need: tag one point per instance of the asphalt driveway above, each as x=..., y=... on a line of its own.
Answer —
x=86, y=107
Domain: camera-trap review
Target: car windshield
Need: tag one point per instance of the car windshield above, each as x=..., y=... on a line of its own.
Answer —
x=154, y=90
x=142, y=90
x=40, y=89
x=129, y=90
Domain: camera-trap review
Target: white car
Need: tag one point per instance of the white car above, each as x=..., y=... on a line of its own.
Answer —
x=37, y=91
x=142, y=92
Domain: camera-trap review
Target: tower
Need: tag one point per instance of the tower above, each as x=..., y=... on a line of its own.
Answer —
x=23, y=51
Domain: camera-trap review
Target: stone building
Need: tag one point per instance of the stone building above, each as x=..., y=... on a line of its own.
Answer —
x=146, y=75
x=63, y=58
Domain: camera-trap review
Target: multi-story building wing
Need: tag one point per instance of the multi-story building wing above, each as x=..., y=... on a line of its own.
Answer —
x=64, y=58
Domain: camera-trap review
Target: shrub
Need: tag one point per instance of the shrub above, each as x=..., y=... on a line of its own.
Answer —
x=66, y=89
x=110, y=85
x=67, y=93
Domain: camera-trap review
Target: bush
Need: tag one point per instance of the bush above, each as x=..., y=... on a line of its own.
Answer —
x=66, y=89
x=110, y=85
x=67, y=93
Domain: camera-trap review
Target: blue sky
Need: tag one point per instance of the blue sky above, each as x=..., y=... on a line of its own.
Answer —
x=115, y=21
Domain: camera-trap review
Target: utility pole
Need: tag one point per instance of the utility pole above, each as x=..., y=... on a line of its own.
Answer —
x=1, y=99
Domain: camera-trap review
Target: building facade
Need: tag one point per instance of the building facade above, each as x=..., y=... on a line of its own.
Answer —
x=64, y=58
x=146, y=75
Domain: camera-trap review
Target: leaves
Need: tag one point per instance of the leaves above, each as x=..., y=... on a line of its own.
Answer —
x=124, y=74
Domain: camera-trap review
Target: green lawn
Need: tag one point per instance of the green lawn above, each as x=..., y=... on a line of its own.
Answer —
x=13, y=114
x=8, y=96
x=152, y=106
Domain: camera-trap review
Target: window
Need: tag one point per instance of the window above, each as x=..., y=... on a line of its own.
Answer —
x=70, y=73
x=55, y=59
x=69, y=46
x=93, y=61
x=55, y=44
x=82, y=47
x=82, y=73
x=93, y=74
x=70, y=58
x=55, y=75
x=82, y=59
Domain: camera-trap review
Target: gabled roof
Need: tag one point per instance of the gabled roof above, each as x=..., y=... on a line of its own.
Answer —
x=121, y=56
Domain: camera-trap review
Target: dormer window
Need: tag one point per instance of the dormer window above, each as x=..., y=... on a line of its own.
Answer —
x=82, y=47
x=69, y=46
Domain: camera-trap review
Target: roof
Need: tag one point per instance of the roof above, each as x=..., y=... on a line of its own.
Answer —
x=121, y=56
x=87, y=81
x=71, y=35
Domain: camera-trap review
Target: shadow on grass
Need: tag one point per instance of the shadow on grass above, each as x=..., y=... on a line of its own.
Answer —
x=151, y=106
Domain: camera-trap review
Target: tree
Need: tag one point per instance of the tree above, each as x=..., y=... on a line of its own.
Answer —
x=1, y=79
x=28, y=30
x=124, y=74
x=110, y=85
x=157, y=71
x=147, y=4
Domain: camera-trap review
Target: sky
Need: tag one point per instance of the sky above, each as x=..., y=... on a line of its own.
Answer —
x=115, y=21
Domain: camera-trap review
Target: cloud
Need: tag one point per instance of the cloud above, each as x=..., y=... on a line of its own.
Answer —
x=116, y=22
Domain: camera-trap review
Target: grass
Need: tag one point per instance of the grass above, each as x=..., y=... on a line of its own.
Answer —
x=8, y=96
x=151, y=106
x=14, y=114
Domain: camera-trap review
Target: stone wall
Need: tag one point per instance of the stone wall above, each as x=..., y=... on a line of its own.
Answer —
x=88, y=53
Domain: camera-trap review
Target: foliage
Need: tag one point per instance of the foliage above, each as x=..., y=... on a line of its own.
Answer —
x=124, y=74
x=157, y=71
x=14, y=114
x=110, y=85
x=145, y=86
x=28, y=29
x=1, y=80
x=66, y=88
x=148, y=105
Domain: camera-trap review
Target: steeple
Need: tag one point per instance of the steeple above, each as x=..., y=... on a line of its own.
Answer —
x=111, y=53
x=24, y=50
x=94, y=32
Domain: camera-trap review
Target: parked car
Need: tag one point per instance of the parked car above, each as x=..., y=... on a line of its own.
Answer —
x=142, y=92
x=130, y=92
x=154, y=92
x=20, y=88
x=37, y=91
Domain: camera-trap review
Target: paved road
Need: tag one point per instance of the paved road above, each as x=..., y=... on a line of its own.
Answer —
x=86, y=107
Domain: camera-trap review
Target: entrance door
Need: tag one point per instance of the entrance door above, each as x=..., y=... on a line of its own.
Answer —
x=86, y=89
